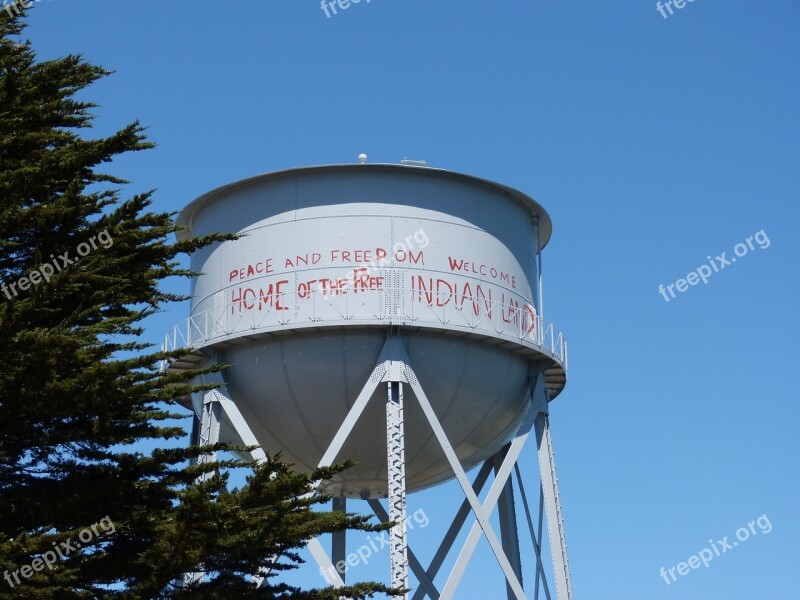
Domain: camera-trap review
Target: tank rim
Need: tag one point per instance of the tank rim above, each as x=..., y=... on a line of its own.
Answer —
x=540, y=358
x=186, y=216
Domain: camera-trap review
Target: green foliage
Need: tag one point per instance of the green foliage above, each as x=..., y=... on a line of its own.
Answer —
x=78, y=390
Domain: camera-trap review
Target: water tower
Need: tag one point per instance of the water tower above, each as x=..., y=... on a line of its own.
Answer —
x=392, y=314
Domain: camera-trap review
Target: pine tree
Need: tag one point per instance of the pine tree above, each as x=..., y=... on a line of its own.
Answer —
x=80, y=269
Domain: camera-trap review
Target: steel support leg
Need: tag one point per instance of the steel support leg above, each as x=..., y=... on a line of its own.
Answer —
x=339, y=538
x=552, y=501
x=205, y=432
x=209, y=430
x=396, y=462
x=540, y=578
x=194, y=438
x=426, y=585
x=509, y=535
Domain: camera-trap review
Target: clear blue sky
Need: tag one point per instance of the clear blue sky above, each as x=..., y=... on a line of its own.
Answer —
x=652, y=142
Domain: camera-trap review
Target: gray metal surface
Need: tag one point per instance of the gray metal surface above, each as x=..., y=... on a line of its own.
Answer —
x=295, y=391
x=331, y=258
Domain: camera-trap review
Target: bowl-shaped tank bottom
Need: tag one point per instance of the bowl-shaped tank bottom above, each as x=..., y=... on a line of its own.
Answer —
x=295, y=390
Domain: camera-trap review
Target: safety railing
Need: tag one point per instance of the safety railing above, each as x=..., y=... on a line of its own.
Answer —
x=511, y=318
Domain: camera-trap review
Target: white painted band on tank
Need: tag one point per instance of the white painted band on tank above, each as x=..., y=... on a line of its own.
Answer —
x=371, y=263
